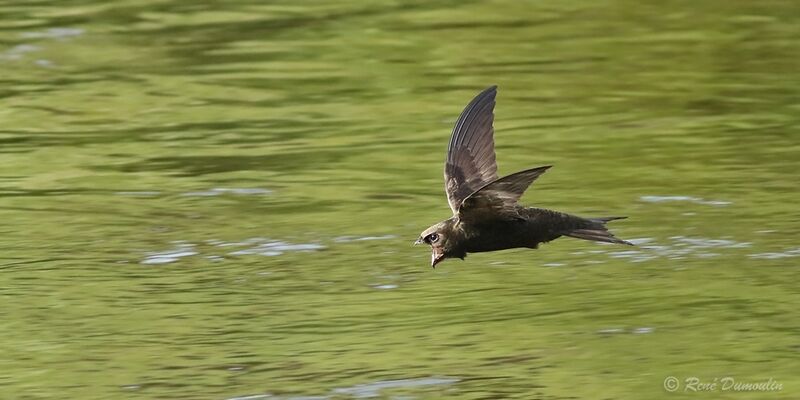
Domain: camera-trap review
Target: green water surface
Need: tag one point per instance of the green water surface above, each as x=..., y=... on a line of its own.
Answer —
x=211, y=200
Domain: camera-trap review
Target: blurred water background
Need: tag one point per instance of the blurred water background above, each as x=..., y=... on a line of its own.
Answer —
x=216, y=200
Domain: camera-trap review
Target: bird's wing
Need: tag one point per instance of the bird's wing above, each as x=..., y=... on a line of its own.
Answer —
x=498, y=199
x=470, y=161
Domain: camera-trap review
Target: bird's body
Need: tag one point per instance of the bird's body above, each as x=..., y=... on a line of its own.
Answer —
x=535, y=225
x=486, y=215
x=532, y=227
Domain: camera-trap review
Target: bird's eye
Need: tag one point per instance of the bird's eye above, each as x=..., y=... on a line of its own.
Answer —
x=433, y=238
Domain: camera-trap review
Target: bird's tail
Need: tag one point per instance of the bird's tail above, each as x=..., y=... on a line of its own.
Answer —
x=595, y=229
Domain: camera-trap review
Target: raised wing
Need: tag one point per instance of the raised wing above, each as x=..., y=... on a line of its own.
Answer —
x=470, y=161
x=498, y=199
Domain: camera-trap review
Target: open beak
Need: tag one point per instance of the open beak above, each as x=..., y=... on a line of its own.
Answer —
x=436, y=256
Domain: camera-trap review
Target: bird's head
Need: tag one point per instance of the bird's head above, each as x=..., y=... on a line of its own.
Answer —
x=443, y=239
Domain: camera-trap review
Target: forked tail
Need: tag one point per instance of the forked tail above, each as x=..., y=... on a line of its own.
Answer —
x=595, y=229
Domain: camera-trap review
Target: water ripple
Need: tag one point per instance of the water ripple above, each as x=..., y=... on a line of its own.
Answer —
x=18, y=51
x=680, y=247
x=53, y=33
x=268, y=247
x=771, y=256
x=346, y=239
x=169, y=256
x=255, y=246
x=362, y=391
x=220, y=191
x=373, y=389
x=690, y=199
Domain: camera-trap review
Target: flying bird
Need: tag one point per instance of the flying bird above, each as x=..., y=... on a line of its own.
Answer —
x=486, y=215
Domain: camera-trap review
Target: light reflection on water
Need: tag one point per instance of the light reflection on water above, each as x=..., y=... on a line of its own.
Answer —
x=169, y=256
x=697, y=200
x=364, y=391
x=254, y=246
x=208, y=200
x=220, y=191
x=776, y=255
x=678, y=247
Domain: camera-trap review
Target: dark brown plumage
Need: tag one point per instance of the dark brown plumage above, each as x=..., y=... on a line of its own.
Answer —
x=486, y=215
